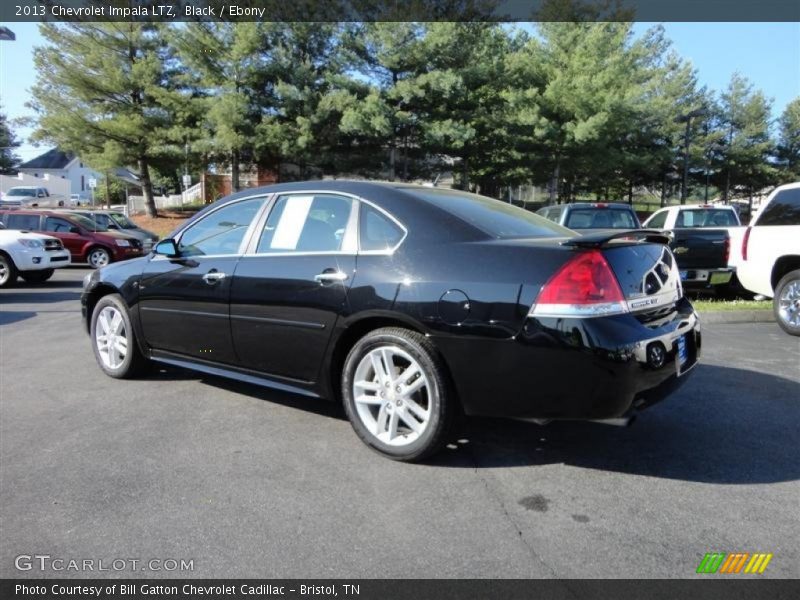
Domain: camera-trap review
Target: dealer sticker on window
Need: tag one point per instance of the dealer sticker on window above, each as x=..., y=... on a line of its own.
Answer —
x=683, y=355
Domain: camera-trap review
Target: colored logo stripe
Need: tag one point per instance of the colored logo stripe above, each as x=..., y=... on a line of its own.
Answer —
x=758, y=563
x=711, y=562
x=734, y=562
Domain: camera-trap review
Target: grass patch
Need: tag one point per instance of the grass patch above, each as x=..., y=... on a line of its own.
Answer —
x=730, y=305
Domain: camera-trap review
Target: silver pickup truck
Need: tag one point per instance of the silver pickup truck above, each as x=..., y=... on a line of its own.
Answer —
x=29, y=196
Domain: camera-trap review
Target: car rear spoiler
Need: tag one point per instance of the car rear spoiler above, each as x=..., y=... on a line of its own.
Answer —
x=600, y=239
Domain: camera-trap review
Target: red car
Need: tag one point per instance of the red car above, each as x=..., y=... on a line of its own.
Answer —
x=85, y=239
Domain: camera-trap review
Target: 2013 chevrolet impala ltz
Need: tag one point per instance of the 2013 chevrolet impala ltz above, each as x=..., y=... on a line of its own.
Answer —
x=406, y=303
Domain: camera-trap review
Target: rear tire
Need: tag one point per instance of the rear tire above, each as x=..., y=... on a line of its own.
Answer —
x=113, y=339
x=396, y=394
x=786, y=303
x=8, y=271
x=37, y=276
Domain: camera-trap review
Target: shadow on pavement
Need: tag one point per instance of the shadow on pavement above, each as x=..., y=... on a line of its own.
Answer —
x=14, y=316
x=728, y=426
x=38, y=295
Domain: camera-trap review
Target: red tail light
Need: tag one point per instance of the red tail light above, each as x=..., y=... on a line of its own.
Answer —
x=745, y=241
x=584, y=287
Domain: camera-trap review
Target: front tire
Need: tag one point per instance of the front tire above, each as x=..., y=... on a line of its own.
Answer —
x=98, y=257
x=8, y=271
x=113, y=339
x=786, y=303
x=396, y=394
x=37, y=276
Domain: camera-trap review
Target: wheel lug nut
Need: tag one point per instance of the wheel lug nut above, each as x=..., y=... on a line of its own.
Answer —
x=398, y=389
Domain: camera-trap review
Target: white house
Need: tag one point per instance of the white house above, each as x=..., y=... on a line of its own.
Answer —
x=56, y=164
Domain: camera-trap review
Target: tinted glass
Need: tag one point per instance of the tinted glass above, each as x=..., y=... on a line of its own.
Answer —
x=22, y=192
x=600, y=218
x=497, y=219
x=706, y=217
x=783, y=210
x=220, y=232
x=29, y=222
x=86, y=223
x=306, y=223
x=377, y=231
x=57, y=225
x=658, y=220
x=122, y=221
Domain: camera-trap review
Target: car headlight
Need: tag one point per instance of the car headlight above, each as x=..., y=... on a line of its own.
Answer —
x=122, y=242
x=29, y=243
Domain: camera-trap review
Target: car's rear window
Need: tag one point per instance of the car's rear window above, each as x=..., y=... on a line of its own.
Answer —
x=496, y=219
x=601, y=218
x=706, y=217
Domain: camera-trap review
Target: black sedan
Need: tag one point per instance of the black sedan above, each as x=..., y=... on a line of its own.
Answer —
x=406, y=303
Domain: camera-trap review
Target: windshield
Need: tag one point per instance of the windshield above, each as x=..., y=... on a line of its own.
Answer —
x=122, y=221
x=498, y=219
x=601, y=218
x=22, y=192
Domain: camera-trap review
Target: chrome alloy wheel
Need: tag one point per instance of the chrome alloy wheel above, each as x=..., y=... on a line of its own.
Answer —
x=99, y=258
x=789, y=304
x=5, y=270
x=392, y=395
x=111, y=337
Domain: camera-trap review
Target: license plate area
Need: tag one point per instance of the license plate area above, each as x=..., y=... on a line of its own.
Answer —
x=685, y=353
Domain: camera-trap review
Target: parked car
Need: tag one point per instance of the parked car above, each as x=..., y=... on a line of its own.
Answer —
x=590, y=216
x=117, y=221
x=771, y=255
x=703, y=238
x=83, y=238
x=75, y=200
x=32, y=256
x=26, y=196
x=408, y=303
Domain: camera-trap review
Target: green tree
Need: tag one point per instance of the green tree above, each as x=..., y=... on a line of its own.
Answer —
x=106, y=92
x=745, y=146
x=788, y=149
x=8, y=143
x=228, y=71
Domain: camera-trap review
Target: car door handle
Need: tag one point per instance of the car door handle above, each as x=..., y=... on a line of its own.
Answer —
x=328, y=276
x=213, y=277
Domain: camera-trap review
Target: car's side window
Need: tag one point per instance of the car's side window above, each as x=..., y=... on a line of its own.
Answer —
x=377, y=231
x=306, y=223
x=658, y=219
x=220, y=232
x=23, y=222
x=784, y=209
x=57, y=225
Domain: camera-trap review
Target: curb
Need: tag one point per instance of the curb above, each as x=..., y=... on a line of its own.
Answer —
x=737, y=316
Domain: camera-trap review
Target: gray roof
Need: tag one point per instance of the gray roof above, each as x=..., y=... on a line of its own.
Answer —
x=52, y=159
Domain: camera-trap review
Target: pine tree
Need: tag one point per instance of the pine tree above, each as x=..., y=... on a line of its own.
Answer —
x=105, y=91
x=788, y=150
x=8, y=143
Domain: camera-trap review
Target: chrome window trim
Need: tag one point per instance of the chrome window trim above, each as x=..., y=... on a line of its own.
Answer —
x=247, y=234
x=393, y=219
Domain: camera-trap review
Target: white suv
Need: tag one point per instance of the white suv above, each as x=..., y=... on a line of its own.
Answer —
x=770, y=263
x=30, y=255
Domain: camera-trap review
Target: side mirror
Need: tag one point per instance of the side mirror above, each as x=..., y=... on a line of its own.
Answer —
x=167, y=248
x=74, y=230
x=112, y=226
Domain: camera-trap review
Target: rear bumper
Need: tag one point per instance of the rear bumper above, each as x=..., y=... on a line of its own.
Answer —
x=704, y=278
x=575, y=368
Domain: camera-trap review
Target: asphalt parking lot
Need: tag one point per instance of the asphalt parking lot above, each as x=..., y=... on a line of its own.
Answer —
x=249, y=482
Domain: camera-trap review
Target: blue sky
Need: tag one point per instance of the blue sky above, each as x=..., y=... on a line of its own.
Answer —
x=766, y=53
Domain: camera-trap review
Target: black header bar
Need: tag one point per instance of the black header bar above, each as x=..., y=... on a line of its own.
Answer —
x=167, y=11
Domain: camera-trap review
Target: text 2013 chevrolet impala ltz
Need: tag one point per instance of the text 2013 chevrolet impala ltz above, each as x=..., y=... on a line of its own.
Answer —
x=406, y=303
